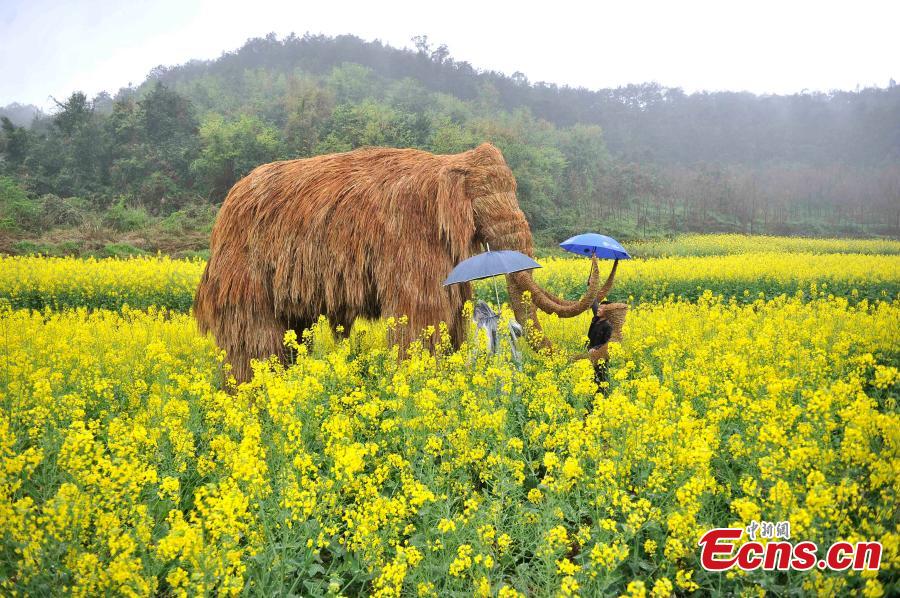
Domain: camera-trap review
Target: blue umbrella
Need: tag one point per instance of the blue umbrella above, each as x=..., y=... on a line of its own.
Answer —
x=490, y=263
x=589, y=244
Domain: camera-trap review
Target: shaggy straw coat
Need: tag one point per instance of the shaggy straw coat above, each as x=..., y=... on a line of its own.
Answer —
x=369, y=233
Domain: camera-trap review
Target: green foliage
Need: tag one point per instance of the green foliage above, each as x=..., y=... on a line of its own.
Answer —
x=306, y=107
x=166, y=116
x=66, y=248
x=450, y=137
x=372, y=124
x=529, y=148
x=13, y=143
x=32, y=248
x=638, y=161
x=231, y=149
x=124, y=218
x=17, y=211
x=182, y=221
x=121, y=250
x=155, y=141
x=58, y=211
x=587, y=162
x=352, y=82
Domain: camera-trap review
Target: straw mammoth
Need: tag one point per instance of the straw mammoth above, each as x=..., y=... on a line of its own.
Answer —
x=369, y=233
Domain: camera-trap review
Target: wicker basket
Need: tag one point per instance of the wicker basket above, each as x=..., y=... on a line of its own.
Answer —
x=615, y=313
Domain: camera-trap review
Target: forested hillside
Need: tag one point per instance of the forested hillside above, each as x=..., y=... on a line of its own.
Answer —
x=145, y=168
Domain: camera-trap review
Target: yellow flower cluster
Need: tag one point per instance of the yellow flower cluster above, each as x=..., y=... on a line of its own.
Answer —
x=162, y=282
x=745, y=276
x=129, y=465
x=728, y=244
x=110, y=283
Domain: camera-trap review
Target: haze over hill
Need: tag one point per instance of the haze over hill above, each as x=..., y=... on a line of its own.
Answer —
x=20, y=115
x=633, y=161
x=49, y=48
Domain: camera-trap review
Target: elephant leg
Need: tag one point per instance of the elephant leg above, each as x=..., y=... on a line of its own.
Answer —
x=342, y=325
x=237, y=308
x=420, y=315
x=411, y=286
x=457, y=323
x=458, y=329
x=418, y=322
x=299, y=325
x=248, y=335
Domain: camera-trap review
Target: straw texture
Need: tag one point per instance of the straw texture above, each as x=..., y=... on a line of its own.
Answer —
x=369, y=233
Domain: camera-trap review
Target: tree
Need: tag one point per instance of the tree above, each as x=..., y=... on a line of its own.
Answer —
x=71, y=157
x=17, y=211
x=372, y=124
x=155, y=142
x=586, y=160
x=231, y=149
x=352, y=82
x=169, y=132
x=167, y=116
x=308, y=107
x=74, y=114
x=14, y=143
x=449, y=137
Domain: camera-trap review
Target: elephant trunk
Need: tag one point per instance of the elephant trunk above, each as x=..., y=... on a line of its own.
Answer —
x=526, y=311
x=503, y=226
x=563, y=307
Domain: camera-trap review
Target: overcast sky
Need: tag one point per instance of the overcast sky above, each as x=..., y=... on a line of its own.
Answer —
x=52, y=48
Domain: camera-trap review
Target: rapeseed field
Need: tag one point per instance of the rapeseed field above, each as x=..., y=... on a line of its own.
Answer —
x=131, y=465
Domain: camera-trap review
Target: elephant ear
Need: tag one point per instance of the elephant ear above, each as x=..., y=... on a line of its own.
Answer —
x=455, y=214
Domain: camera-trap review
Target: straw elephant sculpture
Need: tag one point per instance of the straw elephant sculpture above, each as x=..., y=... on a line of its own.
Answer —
x=368, y=233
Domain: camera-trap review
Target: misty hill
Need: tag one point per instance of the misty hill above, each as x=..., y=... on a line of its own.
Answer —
x=20, y=115
x=632, y=161
x=647, y=121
